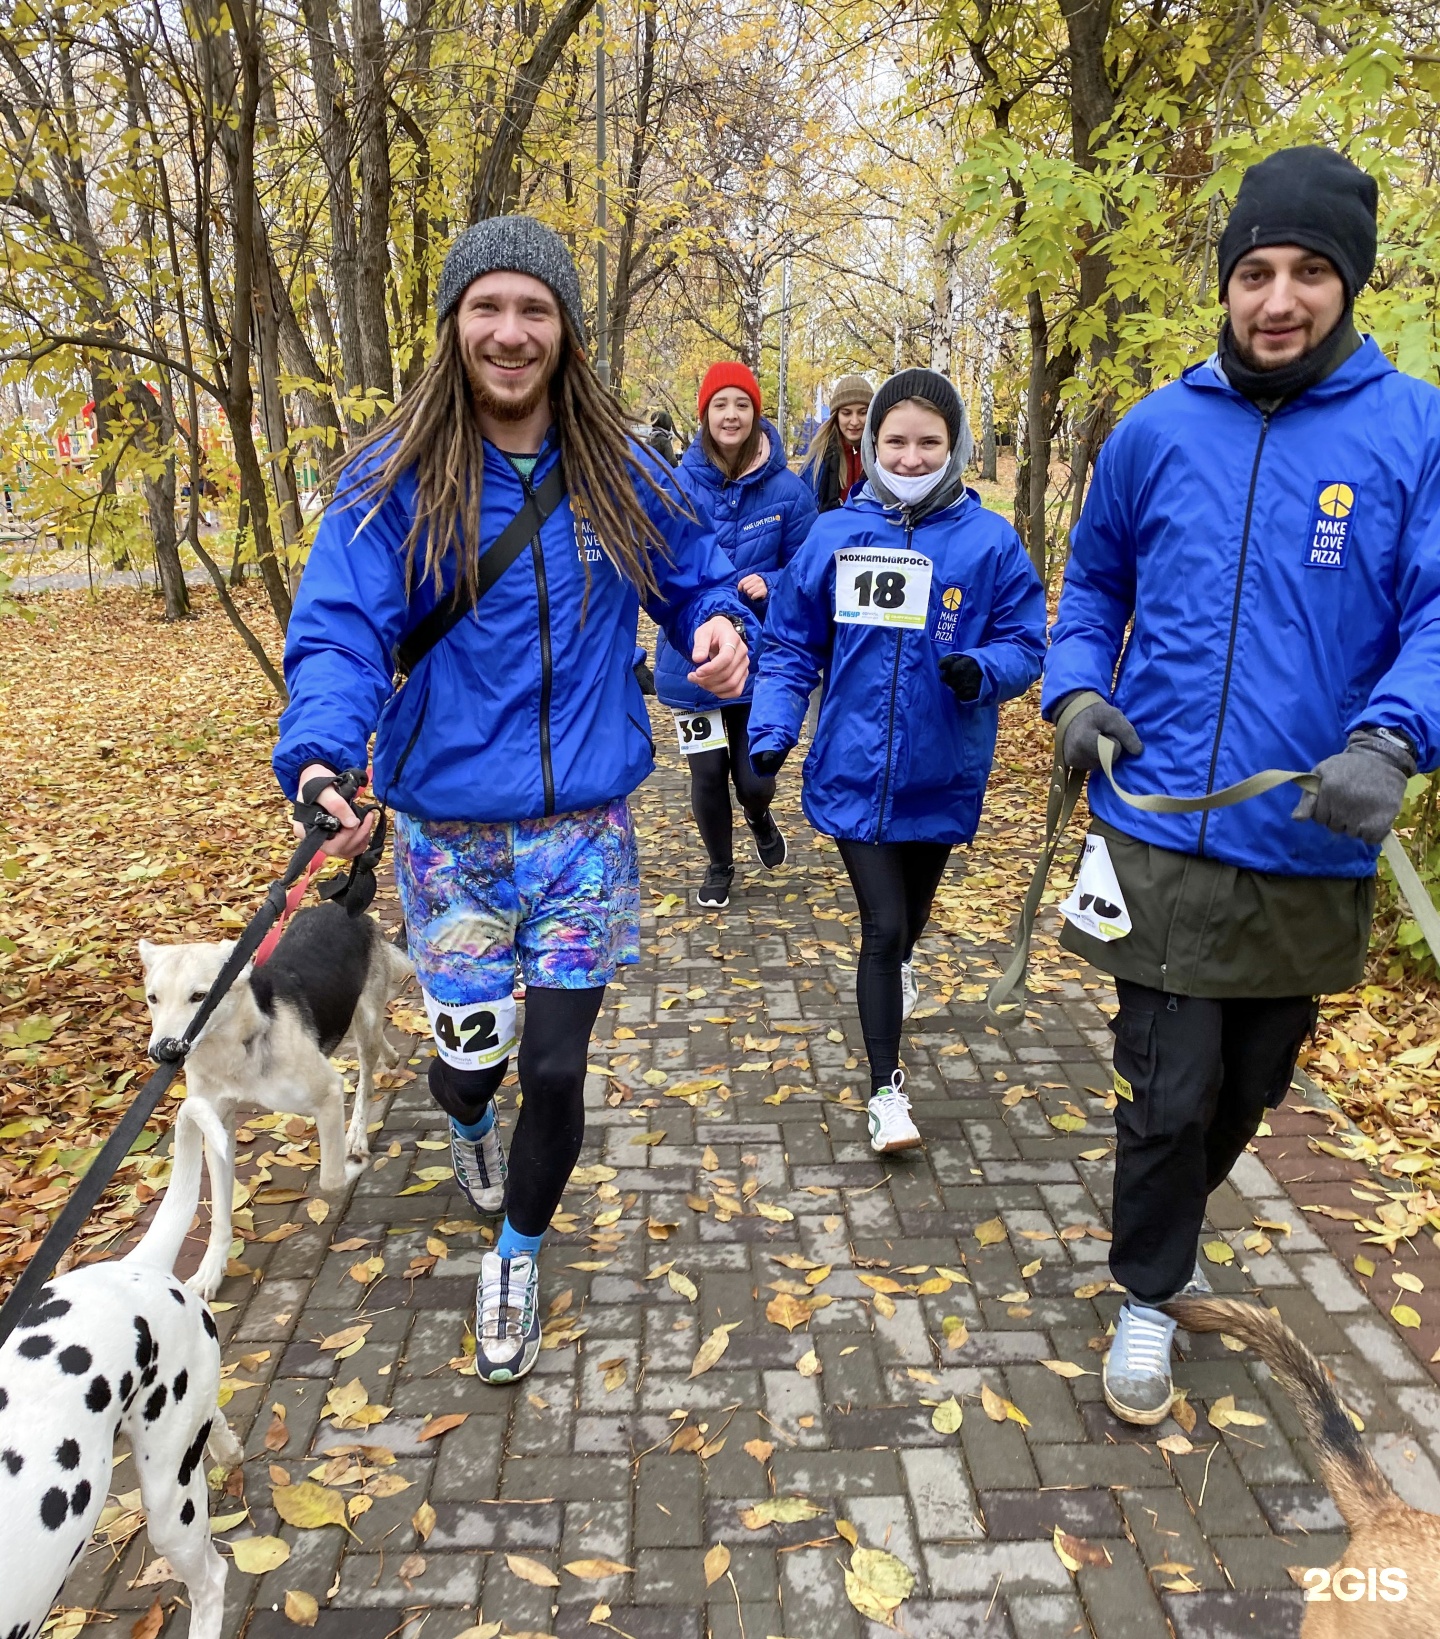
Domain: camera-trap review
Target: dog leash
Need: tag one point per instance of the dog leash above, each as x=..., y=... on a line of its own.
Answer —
x=354, y=891
x=1066, y=785
x=170, y=1054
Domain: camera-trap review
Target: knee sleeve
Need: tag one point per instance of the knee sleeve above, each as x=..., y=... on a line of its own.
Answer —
x=464, y=1094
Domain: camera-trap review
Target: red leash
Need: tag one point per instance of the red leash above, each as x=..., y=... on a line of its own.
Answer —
x=292, y=904
x=297, y=893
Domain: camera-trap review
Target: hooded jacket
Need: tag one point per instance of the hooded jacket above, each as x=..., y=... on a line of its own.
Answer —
x=1283, y=575
x=760, y=521
x=530, y=706
x=896, y=758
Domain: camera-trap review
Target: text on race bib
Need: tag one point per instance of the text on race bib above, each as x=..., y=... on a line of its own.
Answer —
x=699, y=731
x=472, y=1035
x=875, y=587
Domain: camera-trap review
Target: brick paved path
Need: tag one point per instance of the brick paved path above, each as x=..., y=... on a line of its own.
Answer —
x=594, y=1456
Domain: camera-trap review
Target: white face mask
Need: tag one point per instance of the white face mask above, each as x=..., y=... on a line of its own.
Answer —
x=911, y=491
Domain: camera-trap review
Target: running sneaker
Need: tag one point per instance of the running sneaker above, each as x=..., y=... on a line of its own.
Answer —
x=909, y=989
x=1136, y=1373
x=507, y=1317
x=769, y=841
x=889, y=1113
x=714, y=892
x=480, y=1168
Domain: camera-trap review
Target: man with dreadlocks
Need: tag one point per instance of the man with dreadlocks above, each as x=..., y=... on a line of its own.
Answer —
x=510, y=749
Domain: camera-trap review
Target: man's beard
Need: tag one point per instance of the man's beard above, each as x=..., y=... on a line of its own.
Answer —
x=515, y=409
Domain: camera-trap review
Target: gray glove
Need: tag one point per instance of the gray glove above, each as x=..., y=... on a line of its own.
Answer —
x=1081, y=748
x=1362, y=787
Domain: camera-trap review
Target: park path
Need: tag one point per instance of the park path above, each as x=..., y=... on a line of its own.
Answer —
x=726, y=1166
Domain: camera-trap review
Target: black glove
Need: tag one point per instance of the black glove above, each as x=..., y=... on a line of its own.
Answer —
x=1362, y=787
x=767, y=764
x=962, y=676
x=1081, y=748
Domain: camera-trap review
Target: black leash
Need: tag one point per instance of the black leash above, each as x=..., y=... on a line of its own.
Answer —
x=170, y=1054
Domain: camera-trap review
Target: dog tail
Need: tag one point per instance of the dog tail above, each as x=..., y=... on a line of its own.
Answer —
x=1360, y=1490
x=161, y=1243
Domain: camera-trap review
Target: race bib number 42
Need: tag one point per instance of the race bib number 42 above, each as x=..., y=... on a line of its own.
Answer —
x=880, y=588
x=472, y=1035
x=699, y=731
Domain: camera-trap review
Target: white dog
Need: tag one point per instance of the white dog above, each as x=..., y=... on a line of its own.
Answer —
x=115, y=1347
x=268, y=1043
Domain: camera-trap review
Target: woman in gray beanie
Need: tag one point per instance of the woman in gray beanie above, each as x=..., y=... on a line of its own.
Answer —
x=832, y=467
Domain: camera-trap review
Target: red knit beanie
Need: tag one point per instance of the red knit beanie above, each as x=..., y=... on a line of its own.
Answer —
x=730, y=374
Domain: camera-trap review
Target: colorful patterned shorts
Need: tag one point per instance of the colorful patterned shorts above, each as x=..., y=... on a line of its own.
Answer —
x=555, y=902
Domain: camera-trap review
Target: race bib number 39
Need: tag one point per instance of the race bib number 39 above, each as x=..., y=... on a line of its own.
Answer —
x=472, y=1035
x=699, y=731
x=879, y=588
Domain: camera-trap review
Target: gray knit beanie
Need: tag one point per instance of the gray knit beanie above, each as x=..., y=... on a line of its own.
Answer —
x=511, y=244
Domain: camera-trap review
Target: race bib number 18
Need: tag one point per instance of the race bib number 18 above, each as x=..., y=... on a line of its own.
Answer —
x=879, y=588
x=699, y=731
x=472, y=1035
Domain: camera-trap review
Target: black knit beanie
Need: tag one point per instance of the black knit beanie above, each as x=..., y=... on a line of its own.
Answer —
x=927, y=384
x=1311, y=197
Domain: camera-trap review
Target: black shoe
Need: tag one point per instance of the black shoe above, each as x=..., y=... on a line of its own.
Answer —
x=769, y=840
x=714, y=892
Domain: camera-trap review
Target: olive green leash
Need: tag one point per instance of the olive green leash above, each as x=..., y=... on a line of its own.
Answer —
x=1066, y=785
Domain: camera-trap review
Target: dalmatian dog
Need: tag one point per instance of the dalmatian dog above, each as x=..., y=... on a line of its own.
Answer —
x=268, y=1043
x=115, y=1347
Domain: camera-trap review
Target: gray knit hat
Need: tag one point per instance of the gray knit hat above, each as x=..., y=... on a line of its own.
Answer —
x=511, y=244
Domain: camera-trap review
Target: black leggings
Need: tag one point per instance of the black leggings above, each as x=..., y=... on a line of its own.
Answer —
x=711, y=775
x=895, y=885
x=551, y=1125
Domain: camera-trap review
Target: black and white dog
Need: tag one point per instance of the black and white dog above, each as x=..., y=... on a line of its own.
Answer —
x=118, y=1347
x=268, y=1043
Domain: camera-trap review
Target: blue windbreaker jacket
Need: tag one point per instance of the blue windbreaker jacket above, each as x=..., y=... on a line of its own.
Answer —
x=530, y=705
x=896, y=758
x=760, y=521
x=1283, y=574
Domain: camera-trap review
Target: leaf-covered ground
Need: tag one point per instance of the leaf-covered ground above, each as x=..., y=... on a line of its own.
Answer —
x=135, y=761
x=138, y=804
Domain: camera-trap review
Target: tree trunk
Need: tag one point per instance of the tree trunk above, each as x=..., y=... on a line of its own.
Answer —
x=160, y=498
x=373, y=243
x=987, y=427
x=496, y=184
x=335, y=150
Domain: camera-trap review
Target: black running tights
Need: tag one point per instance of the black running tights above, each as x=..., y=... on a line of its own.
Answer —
x=895, y=885
x=551, y=1125
x=711, y=775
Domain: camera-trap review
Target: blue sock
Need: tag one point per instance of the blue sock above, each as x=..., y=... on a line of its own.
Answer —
x=512, y=1242
x=476, y=1129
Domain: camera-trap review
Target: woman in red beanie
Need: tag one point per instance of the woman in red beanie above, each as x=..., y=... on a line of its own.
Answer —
x=735, y=474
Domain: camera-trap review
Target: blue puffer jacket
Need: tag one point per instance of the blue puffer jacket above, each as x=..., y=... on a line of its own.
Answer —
x=1284, y=577
x=760, y=521
x=896, y=758
x=529, y=707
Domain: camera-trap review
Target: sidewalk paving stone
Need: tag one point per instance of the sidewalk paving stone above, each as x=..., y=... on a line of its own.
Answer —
x=736, y=1040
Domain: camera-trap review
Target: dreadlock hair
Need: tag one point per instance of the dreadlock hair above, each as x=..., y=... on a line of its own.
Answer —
x=435, y=430
x=731, y=465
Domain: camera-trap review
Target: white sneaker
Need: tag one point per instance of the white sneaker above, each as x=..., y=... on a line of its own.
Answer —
x=909, y=989
x=480, y=1168
x=889, y=1113
x=507, y=1317
x=1136, y=1373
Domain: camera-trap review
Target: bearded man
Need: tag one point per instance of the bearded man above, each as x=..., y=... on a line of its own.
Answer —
x=511, y=746
x=1254, y=583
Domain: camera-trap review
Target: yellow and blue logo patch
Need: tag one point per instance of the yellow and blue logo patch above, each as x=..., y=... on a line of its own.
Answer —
x=950, y=600
x=1330, y=521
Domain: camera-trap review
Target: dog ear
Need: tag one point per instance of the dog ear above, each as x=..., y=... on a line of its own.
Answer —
x=148, y=953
